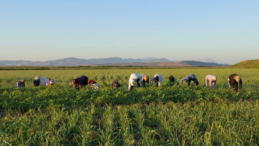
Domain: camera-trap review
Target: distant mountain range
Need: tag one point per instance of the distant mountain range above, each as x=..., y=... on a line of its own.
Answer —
x=206, y=59
x=113, y=61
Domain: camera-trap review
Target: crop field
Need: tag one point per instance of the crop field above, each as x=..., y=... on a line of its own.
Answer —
x=178, y=115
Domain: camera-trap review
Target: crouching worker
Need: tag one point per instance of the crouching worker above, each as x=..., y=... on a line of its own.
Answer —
x=140, y=79
x=189, y=78
x=21, y=83
x=210, y=80
x=172, y=81
x=157, y=79
x=234, y=80
x=116, y=84
x=43, y=81
x=80, y=82
x=94, y=85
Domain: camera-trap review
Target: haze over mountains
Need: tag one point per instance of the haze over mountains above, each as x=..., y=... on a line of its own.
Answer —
x=112, y=61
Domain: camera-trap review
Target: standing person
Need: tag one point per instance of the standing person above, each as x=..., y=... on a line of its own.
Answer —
x=43, y=81
x=116, y=84
x=210, y=80
x=80, y=82
x=157, y=79
x=94, y=85
x=140, y=79
x=172, y=81
x=234, y=80
x=189, y=78
x=21, y=83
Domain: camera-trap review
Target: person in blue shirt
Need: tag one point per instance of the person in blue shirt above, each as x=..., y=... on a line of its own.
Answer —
x=189, y=78
x=21, y=83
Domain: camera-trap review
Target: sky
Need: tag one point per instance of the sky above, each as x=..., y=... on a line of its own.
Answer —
x=225, y=31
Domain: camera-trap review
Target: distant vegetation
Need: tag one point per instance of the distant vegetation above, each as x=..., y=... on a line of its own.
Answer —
x=248, y=64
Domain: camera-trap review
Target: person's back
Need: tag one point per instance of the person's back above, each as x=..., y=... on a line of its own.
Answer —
x=83, y=80
x=210, y=80
x=157, y=79
x=189, y=78
x=140, y=79
x=94, y=85
x=43, y=81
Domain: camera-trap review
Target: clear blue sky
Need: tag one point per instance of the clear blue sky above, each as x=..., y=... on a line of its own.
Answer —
x=226, y=31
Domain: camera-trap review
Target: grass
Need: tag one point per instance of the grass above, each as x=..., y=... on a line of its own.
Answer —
x=145, y=116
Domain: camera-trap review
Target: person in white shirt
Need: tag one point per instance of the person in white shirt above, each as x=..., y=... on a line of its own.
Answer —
x=210, y=80
x=140, y=79
x=157, y=79
x=43, y=81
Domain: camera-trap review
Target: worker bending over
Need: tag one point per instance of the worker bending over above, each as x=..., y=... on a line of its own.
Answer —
x=94, y=85
x=189, y=78
x=21, y=83
x=43, y=81
x=172, y=81
x=157, y=79
x=234, y=80
x=80, y=82
x=116, y=84
x=210, y=80
x=140, y=79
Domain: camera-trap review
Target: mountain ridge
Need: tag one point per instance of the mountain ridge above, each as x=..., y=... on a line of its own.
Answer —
x=72, y=61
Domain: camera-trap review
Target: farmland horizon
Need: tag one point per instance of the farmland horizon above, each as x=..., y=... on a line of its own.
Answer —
x=114, y=61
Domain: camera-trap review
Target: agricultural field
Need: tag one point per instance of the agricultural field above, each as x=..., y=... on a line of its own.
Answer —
x=178, y=115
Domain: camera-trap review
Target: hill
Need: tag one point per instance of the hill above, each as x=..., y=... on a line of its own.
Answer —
x=248, y=64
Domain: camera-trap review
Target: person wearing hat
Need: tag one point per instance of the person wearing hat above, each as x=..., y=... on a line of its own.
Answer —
x=172, y=81
x=94, y=85
x=43, y=81
x=80, y=82
x=210, y=80
x=234, y=80
x=189, y=78
x=21, y=83
x=157, y=79
x=116, y=84
x=140, y=79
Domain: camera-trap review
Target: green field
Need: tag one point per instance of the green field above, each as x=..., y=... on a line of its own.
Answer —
x=162, y=115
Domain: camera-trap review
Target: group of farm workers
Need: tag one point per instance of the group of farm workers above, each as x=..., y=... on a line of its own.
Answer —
x=210, y=80
x=234, y=81
x=79, y=82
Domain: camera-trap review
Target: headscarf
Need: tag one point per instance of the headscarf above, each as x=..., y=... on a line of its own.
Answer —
x=214, y=78
x=237, y=78
x=145, y=78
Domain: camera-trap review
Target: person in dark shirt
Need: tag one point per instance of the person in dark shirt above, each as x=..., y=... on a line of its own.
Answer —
x=189, y=78
x=80, y=82
x=234, y=80
x=21, y=83
x=116, y=84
